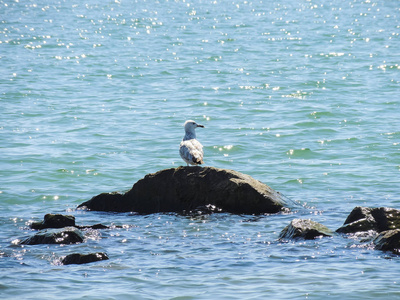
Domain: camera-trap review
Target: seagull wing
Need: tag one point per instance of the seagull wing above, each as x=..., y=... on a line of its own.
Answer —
x=191, y=152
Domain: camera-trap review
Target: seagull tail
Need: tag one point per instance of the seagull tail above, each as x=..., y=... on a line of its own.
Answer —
x=198, y=161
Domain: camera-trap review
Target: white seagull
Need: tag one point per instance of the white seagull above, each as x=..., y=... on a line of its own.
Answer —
x=190, y=149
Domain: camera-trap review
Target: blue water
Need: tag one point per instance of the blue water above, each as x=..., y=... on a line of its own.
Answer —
x=301, y=95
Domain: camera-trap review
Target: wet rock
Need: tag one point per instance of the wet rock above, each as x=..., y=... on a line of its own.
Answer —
x=67, y=235
x=61, y=221
x=388, y=241
x=305, y=229
x=95, y=226
x=54, y=221
x=186, y=188
x=77, y=258
x=363, y=219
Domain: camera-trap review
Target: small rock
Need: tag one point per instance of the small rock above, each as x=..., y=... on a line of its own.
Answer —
x=77, y=258
x=363, y=219
x=67, y=235
x=388, y=241
x=54, y=221
x=61, y=221
x=306, y=229
x=95, y=226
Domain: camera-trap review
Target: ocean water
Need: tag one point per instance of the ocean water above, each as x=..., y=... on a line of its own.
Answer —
x=303, y=95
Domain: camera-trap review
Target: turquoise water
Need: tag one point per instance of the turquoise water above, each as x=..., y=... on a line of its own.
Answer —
x=301, y=95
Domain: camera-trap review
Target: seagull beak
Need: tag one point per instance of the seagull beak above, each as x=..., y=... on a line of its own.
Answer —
x=198, y=125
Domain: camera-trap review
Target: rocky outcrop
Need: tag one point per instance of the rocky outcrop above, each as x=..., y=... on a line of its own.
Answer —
x=305, y=229
x=77, y=258
x=184, y=189
x=363, y=219
x=67, y=235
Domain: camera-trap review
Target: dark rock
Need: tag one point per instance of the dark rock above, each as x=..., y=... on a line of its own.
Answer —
x=306, y=229
x=95, y=226
x=54, y=221
x=77, y=258
x=363, y=219
x=186, y=188
x=67, y=235
x=388, y=241
x=61, y=221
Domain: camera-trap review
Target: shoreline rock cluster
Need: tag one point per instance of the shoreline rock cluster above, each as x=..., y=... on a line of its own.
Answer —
x=193, y=190
x=62, y=230
x=379, y=227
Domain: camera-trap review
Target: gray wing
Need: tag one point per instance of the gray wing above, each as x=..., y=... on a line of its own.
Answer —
x=191, y=151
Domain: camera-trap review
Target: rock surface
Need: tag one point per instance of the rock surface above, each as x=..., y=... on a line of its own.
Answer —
x=185, y=188
x=306, y=229
x=388, y=241
x=77, y=258
x=363, y=219
x=54, y=221
x=67, y=235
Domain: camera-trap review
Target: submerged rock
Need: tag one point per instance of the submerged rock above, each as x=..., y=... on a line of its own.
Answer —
x=54, y=221
x=306, y=229
x=186, y=188
x=95, y=226
x=77, y=258
x=67, y=235
x=388, y=241
x=363, y=219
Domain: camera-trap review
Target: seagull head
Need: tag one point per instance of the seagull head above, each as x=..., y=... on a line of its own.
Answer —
x=191, y=125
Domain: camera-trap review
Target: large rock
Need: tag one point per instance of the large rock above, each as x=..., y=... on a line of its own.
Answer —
x=186, y=188
x=67, y=235
x=364, y=219
x=77, y=258
x=305, y=229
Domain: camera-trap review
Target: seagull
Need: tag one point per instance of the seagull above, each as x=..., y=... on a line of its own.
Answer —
x=190, y=149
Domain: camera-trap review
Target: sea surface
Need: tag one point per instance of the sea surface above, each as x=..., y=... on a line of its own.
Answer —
x=303, y=95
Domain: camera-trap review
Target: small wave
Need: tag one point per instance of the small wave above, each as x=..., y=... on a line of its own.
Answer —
x=392, y=133
x=297, y=95
x=301, y=153
x=78, y=129
x=319, y=114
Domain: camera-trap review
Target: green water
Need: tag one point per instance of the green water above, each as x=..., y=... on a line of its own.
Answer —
x=301, y=95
